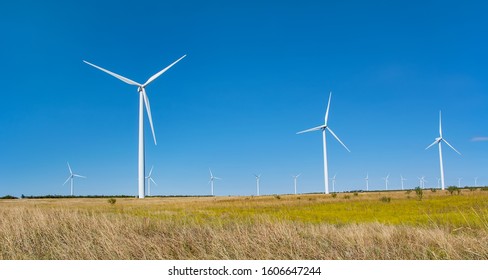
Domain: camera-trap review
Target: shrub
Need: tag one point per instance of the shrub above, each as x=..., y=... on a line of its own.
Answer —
x=277, y=196
x=452, y=189
x=112, y=200
x=334, y=195
x=8, y=197
x=385, y=199
x=419, y=192
x=408, y=191
x=433, y=190
x=347, y=196
x=355, y=193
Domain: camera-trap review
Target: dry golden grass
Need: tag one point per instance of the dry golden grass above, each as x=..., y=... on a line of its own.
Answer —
x=246, y=228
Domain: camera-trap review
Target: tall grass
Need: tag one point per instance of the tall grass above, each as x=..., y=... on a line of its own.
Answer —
x=235, y=228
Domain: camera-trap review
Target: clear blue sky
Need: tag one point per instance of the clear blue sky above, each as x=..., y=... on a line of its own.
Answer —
x=256, y=73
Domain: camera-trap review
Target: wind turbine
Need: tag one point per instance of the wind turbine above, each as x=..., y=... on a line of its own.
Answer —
x=333, y=183
x=212, y=178
x=295, y=181
x=386, y=180
x=439, y=140
x=367, y=181
x=402, y=179
x=257, y=182
x=71, y=178
x=459, y=182
x=149, y=179
x=422, y=182
x=323, y=128
x=143, y=100
x=475, y=182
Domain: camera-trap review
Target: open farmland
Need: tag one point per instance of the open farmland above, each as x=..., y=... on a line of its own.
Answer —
x=389, y=225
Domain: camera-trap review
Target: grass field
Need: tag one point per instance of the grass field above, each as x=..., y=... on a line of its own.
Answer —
x=389, y=225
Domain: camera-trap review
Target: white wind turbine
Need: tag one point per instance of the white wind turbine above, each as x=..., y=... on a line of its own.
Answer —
x=333, y=179
x=323, y=128
x=386, y=180
x=71, y=178
x=149, y=180
x=459, y=182
x=439, y=140
x=257, y=183
x=367, y=181
x=143, y=100
x=295, y=181
x=422, y=182
x=402, y=180
x=475, y=182
x=212, y=178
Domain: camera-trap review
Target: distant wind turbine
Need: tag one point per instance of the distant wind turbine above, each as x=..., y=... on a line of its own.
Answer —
x=402, y=180
x=422, y=182
x=143, y=100
x=476, y=181
x=367, y=181
x=324, y=127
x=386, y=180
x=257, y=182
x=295, y=181
x=149, y=180
x=212, y=178
x=459, y=182
x=333, y=179
x=439, y=141
x=71, y=178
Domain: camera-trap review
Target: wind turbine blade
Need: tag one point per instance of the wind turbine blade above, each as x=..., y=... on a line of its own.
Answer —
x=435, y=142
x=69, y=167
x=79, y=176
x=218, y=178
x=150, y=172
x=299, y=175
x=155, y=76
x=451, y=146
x=211, y=175
x=122, y=78
x=327, y=112
x=66, y=180
x=148, y=110
x=332, y=132
x=312, y=129
x=153, y=181
x=440, y=124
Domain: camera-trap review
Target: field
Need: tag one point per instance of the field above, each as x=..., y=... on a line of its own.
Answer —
x=389, y=225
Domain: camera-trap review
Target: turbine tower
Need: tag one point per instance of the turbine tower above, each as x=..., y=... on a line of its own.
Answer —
x=475, y=182
x=367, y=181
x=295, y=181
x=438, y=141
x=71, y=178
x=257, y=183
x=324, y=127
x=459, y=182
x=212, y=178
x=422, y=182
x=402, y=180
x=333, y=182
x=143, y=100
x=386, y=180
x=149, y=180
